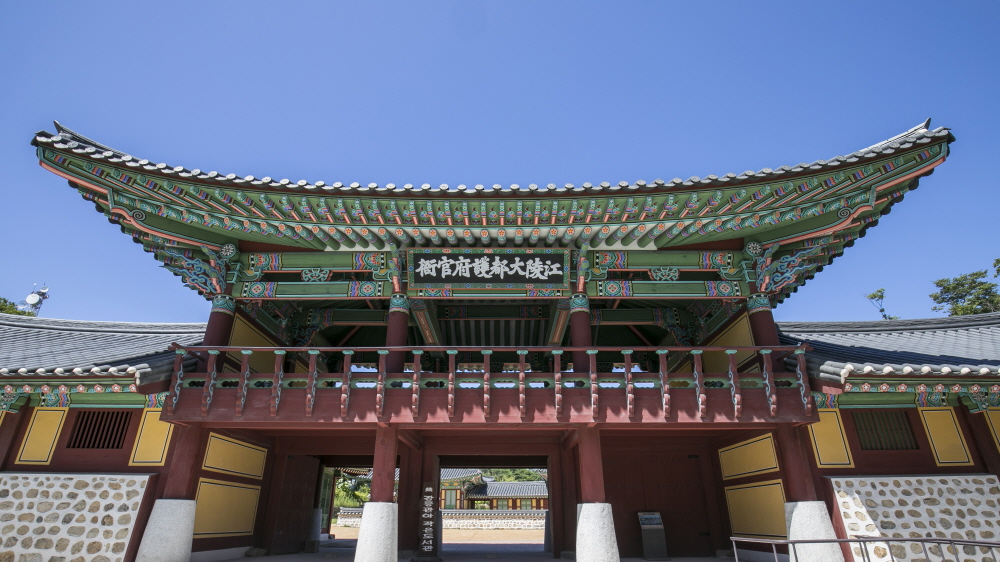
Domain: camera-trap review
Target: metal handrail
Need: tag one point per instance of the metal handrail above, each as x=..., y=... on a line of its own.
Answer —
x=865, y=540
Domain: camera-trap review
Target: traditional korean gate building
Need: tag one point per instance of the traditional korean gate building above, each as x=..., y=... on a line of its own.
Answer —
x=618, y=335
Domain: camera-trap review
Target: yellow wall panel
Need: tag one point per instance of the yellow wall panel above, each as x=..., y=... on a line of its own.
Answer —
x=224, y=509
x=754, y=456
x=245, y=334
x=757, y=510
x=230, y=456
x=43, y=433
x=736, y=335
x=829, y=441
x=153, y=440
x=947, y=441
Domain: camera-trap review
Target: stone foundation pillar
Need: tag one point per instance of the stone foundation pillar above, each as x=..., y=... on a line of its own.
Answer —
x=377, y=537
x=169, y=532
x=595, y=534
x=595, y=527
x=811, y=521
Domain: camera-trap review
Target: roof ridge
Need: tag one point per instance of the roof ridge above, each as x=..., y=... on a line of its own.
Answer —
x=67, y=138
x=908, y=325
x=36, y=323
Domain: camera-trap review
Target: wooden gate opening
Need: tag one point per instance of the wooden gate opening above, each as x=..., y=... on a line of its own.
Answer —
x=494, y=505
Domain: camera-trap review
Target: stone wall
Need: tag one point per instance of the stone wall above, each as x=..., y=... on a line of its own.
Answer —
x=468, y=518
x=952, y=506
x=48, y=517
x=349, y=517
x=493, y=519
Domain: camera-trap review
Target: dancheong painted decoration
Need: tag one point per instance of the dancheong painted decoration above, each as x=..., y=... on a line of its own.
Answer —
x=616, y=339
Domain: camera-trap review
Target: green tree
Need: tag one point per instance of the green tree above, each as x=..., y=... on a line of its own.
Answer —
x=876, y=299
x=966, y=294
x=351, y=491
x=513, y=474
x=9, y=307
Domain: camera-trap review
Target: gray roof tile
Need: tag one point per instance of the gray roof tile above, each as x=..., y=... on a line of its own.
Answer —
x=44, y=346
x=493, y=489
x=955, y=344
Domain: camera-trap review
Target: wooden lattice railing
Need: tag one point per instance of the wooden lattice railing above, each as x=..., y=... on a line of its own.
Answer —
x=760, y=378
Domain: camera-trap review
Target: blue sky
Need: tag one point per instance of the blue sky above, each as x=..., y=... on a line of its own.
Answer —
x=495, y=92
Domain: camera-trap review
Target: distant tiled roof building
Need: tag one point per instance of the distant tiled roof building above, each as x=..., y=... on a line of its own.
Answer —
x=955, y=344
x=492, y=489
x=30, y=345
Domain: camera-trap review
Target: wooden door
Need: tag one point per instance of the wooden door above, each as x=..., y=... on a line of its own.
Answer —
x=294, y=512
x=657, y=479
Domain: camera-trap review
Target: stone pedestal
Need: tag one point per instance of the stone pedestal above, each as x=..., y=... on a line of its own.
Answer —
x=316, y=532
x=811, y=521
x=377, y=538
x=595, y=533
x=169, y=532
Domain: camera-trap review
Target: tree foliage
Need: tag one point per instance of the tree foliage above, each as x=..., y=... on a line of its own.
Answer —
x=876, y=299
x=10, y=307
x=970, y=293
x=513, y=474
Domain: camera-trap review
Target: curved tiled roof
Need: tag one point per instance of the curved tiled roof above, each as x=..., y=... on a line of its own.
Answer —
x=493, y=489
x=951, y=345
x=44, y=346
x=68, y=139
x=459, y=473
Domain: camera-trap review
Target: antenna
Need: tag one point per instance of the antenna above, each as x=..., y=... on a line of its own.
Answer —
x=33, y=302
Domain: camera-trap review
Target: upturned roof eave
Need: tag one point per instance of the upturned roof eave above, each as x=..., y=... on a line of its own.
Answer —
x=97, y=151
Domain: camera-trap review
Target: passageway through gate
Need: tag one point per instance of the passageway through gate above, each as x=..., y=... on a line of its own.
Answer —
x=437, y=482
x=494, y=504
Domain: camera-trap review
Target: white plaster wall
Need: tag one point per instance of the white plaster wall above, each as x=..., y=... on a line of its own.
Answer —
x=75, y=517
x=956, y=506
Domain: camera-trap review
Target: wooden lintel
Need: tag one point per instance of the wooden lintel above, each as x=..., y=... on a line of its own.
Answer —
x=571, y=439
x=411, y=439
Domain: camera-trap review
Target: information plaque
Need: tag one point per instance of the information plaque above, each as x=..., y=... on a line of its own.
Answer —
x=654, y=541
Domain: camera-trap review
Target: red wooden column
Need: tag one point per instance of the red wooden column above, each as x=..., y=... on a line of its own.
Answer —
x=411, y=461
x=397, y=326
x=579, y=330
x=762, y=326
x=796, y=465
x=556, y=538
x=591, y=466
x=568, y=461
x=220, y=320
x=384, y=466
x=187, y=446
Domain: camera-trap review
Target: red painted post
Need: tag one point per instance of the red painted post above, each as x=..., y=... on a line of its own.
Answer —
x=384, y=465
x=186, y=448
x=795, y=464
x=579, y=330
x=762, y=325
x=591, y=466
x=397, y=327
x=220, y=320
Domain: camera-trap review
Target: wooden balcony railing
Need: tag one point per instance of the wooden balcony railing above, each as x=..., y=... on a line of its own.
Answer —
x=227, y=388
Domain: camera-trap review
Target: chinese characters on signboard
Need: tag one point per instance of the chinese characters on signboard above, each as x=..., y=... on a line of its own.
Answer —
x=514, y=268
x=427, y=518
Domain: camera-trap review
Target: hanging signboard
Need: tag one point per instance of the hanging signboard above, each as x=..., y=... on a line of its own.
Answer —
x=488, y=268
